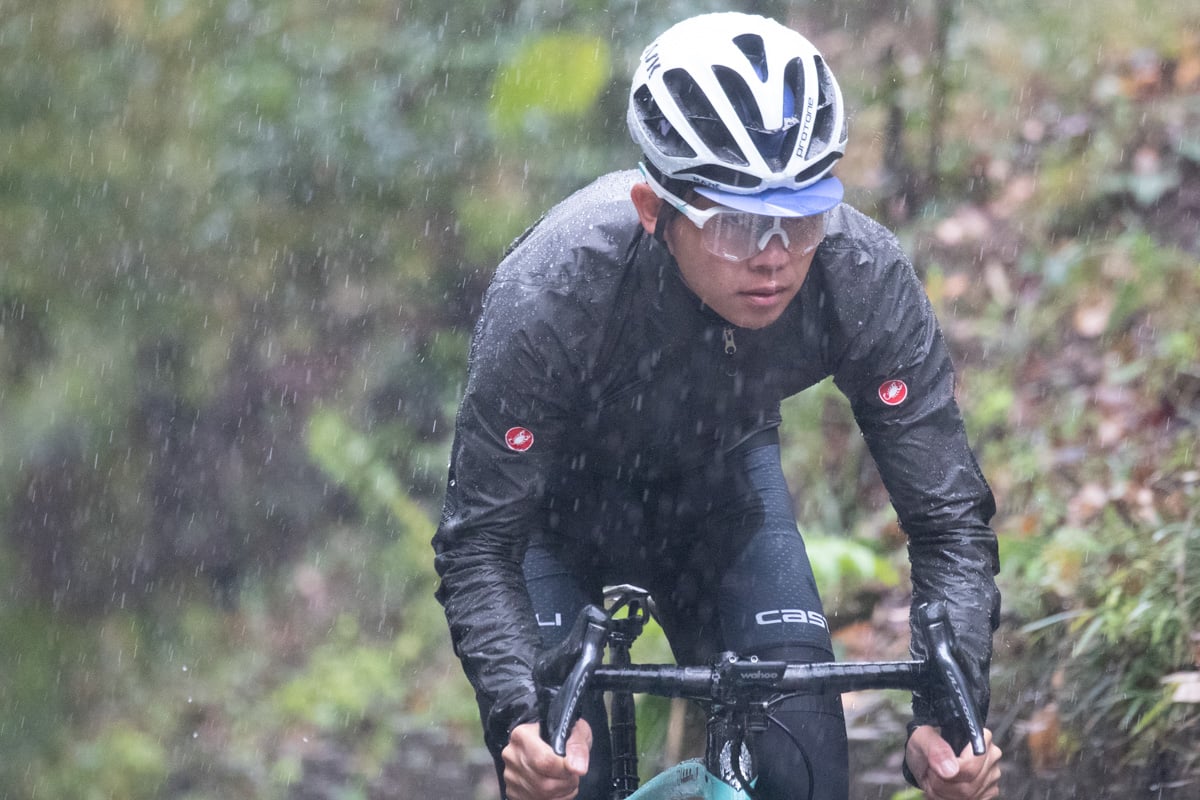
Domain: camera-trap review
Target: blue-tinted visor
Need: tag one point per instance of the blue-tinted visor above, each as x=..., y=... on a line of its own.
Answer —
x=821, y=196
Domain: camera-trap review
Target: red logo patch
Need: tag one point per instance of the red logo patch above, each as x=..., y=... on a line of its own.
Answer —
x=893, y=392
x=519, y=439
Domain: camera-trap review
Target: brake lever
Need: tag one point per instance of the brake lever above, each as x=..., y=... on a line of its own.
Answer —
x=581, y=653
x=934, y=622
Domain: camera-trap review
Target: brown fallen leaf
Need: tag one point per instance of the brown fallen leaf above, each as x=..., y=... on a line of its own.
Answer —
x=1043, y=736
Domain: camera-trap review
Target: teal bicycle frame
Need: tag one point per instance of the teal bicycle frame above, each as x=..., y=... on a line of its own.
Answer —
x=688, y=780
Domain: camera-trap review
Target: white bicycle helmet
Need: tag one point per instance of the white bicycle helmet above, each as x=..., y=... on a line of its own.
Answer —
x=744, y=108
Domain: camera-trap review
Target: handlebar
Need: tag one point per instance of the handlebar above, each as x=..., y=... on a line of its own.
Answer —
x=575, y=666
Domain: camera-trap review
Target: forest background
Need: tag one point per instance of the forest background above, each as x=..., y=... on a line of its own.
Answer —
x=242, y=247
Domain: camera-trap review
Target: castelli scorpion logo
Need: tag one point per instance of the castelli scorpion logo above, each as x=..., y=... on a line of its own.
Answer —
x=893, y=392
x=518, y=439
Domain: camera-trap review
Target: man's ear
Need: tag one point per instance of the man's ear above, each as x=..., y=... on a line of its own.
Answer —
x=648, y=205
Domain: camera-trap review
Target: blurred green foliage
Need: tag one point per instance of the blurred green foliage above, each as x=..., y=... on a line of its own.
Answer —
x=556, y=75
x=243, y=246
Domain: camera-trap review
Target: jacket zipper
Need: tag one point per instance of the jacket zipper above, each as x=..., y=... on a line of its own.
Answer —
x=730, y=344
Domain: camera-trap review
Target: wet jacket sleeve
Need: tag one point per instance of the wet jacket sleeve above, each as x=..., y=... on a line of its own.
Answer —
x=897, y=373
x=510, y=421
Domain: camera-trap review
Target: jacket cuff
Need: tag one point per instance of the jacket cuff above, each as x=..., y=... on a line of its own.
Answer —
x=504, y=717
x=529, y=715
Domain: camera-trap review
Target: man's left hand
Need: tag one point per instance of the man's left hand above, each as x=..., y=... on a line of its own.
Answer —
x=944, y=776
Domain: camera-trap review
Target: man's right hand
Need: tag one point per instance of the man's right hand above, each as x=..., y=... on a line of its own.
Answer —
x=944, y=776
x=533, y=771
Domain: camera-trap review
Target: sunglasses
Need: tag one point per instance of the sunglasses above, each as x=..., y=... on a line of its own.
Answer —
x=738, y=235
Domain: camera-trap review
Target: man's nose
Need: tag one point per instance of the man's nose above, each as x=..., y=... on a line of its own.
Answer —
x=774, y=252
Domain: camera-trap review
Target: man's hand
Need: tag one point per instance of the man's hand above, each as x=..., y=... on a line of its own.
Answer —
x=943, y=776
x=532, y=770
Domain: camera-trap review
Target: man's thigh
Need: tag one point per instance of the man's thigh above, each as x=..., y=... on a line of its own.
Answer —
x=736, y=575
x=745, y=584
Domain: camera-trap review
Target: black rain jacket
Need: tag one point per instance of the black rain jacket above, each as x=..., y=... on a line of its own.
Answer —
x=591, y=354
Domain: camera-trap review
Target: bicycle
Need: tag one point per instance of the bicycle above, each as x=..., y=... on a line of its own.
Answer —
x=739, y=694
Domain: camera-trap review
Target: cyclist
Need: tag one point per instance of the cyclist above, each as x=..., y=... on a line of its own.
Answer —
x=620, y=418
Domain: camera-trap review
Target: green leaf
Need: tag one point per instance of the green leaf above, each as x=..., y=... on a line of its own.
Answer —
x=847, y=563
x=559, y=75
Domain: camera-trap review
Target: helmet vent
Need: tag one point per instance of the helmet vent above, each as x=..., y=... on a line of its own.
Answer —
x=740, y=97
x=658, y=127
x=775, y=146
x=751, y=45
x=823, y=131
x=704, y=118
x=817, y=169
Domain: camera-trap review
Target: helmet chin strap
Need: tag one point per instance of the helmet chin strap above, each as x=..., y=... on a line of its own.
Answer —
x=666, y=212
x=666, y=215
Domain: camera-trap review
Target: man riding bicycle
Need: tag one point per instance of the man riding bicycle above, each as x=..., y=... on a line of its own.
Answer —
x=620, y=419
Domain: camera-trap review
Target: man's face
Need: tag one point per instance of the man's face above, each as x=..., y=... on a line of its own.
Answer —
x=751, y=293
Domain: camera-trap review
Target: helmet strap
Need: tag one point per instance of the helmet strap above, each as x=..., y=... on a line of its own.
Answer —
x=667, y=212
x=666, y=215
